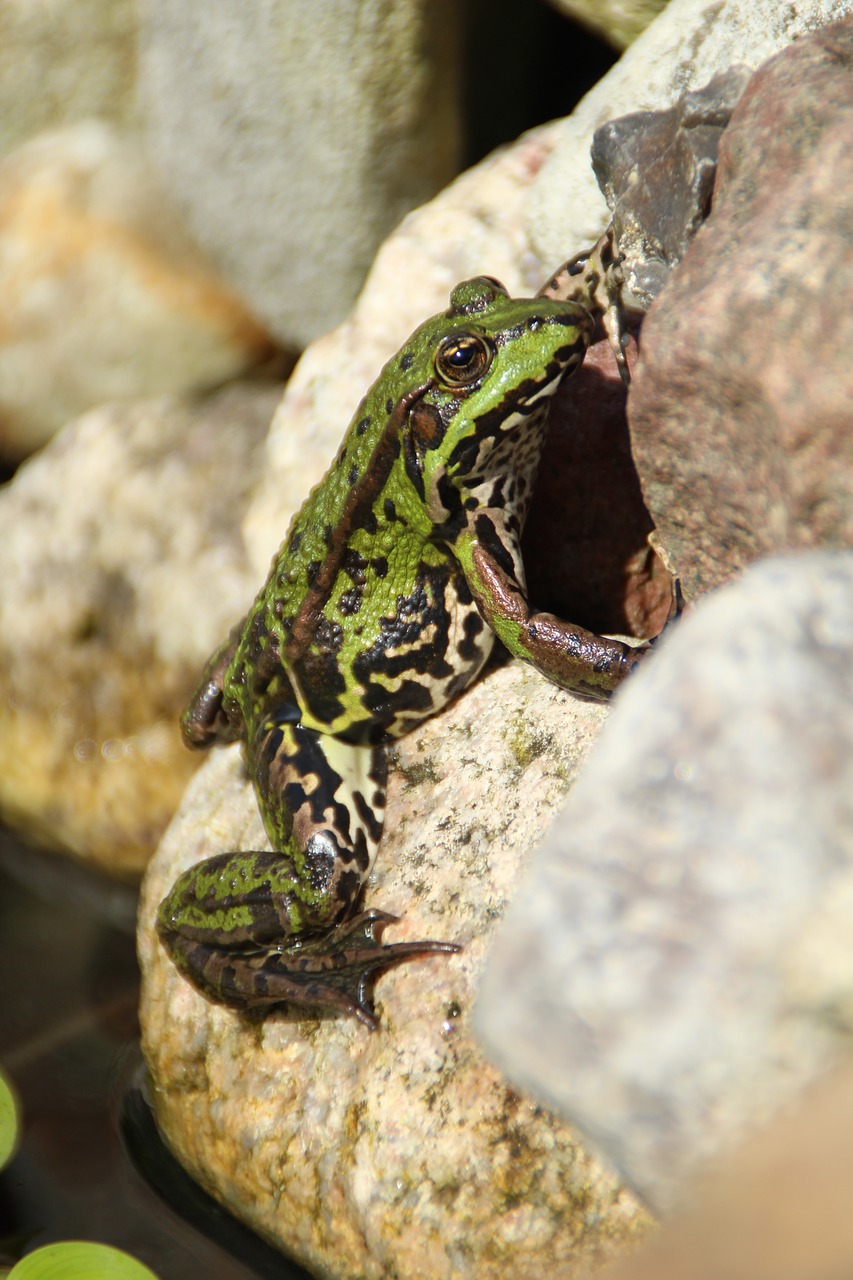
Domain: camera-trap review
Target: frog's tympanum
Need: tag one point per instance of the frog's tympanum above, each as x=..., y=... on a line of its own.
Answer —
x=382, y=605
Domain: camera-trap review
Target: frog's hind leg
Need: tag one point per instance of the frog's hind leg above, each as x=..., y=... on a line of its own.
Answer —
x=259, y=928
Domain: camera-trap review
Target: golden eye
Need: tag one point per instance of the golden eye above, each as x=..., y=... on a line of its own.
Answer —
x=462, y=358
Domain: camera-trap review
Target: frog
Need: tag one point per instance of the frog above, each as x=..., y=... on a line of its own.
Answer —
x=396, y=578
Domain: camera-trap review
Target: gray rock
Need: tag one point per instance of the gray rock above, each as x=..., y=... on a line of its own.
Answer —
x=401, y=1152
x=302, y=136
x=657, y=169
x=64, y=61
x=679, y=962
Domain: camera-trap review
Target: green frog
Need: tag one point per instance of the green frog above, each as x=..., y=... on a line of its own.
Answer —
x=382, y=605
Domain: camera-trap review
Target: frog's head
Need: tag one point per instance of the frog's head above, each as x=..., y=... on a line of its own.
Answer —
x=495, y=360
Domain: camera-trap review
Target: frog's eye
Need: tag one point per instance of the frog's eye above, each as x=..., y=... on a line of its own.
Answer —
x=462, y=358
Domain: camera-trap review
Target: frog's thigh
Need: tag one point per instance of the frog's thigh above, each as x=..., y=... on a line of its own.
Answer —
x=325, y=799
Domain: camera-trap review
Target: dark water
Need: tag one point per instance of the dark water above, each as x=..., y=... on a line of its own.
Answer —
x=91, y=1164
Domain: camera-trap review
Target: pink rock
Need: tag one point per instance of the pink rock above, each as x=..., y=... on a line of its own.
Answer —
x=740, y=409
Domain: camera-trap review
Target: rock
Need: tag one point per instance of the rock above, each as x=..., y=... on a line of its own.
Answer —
x=779, y=1206
x=123, y=566
x=65, y=61
x=683, y=49
x=399, y=1152
x=657, y=170
x=617, y=21
x=302, y=137
x=104, y=297
x=678, y=964
x=740, y=411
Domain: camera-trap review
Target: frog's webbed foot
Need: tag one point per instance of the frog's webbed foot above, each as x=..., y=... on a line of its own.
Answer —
x=332, y=970
x=337, y=969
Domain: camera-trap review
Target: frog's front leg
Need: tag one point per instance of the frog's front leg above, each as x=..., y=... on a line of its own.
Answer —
x=259, y=928
x=568, y=655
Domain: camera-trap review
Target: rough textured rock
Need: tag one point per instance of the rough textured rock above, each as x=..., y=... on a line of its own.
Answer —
x=63, y=61
x=618, y=21
x=104, y=297
x=682, y=49
x=740, y=411
x=679, y=962
x=657, y=170
x=398, y=1152
x=302, y=137
x=123, y=566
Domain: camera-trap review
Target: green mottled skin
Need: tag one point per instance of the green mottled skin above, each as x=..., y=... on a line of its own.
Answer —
x=382, y=605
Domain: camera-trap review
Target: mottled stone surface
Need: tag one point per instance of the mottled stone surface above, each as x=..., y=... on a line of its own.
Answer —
x=682, y=49
x=303, y=135
x=104, y=296
x=679, y=962
x=740, y=411
x=123, y=566
x=399, y=1152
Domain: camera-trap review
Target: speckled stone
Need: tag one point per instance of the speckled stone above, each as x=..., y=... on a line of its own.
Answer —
x=398, y=1152
x=123, y=565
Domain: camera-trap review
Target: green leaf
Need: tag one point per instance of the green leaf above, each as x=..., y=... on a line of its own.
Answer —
x=10, y=1121
x=79, y=1260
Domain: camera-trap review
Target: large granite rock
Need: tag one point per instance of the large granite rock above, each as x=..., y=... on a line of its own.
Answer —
x=399, y=1152
x=679, y=963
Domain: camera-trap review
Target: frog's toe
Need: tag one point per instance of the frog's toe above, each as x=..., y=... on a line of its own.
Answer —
x=338, y=968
